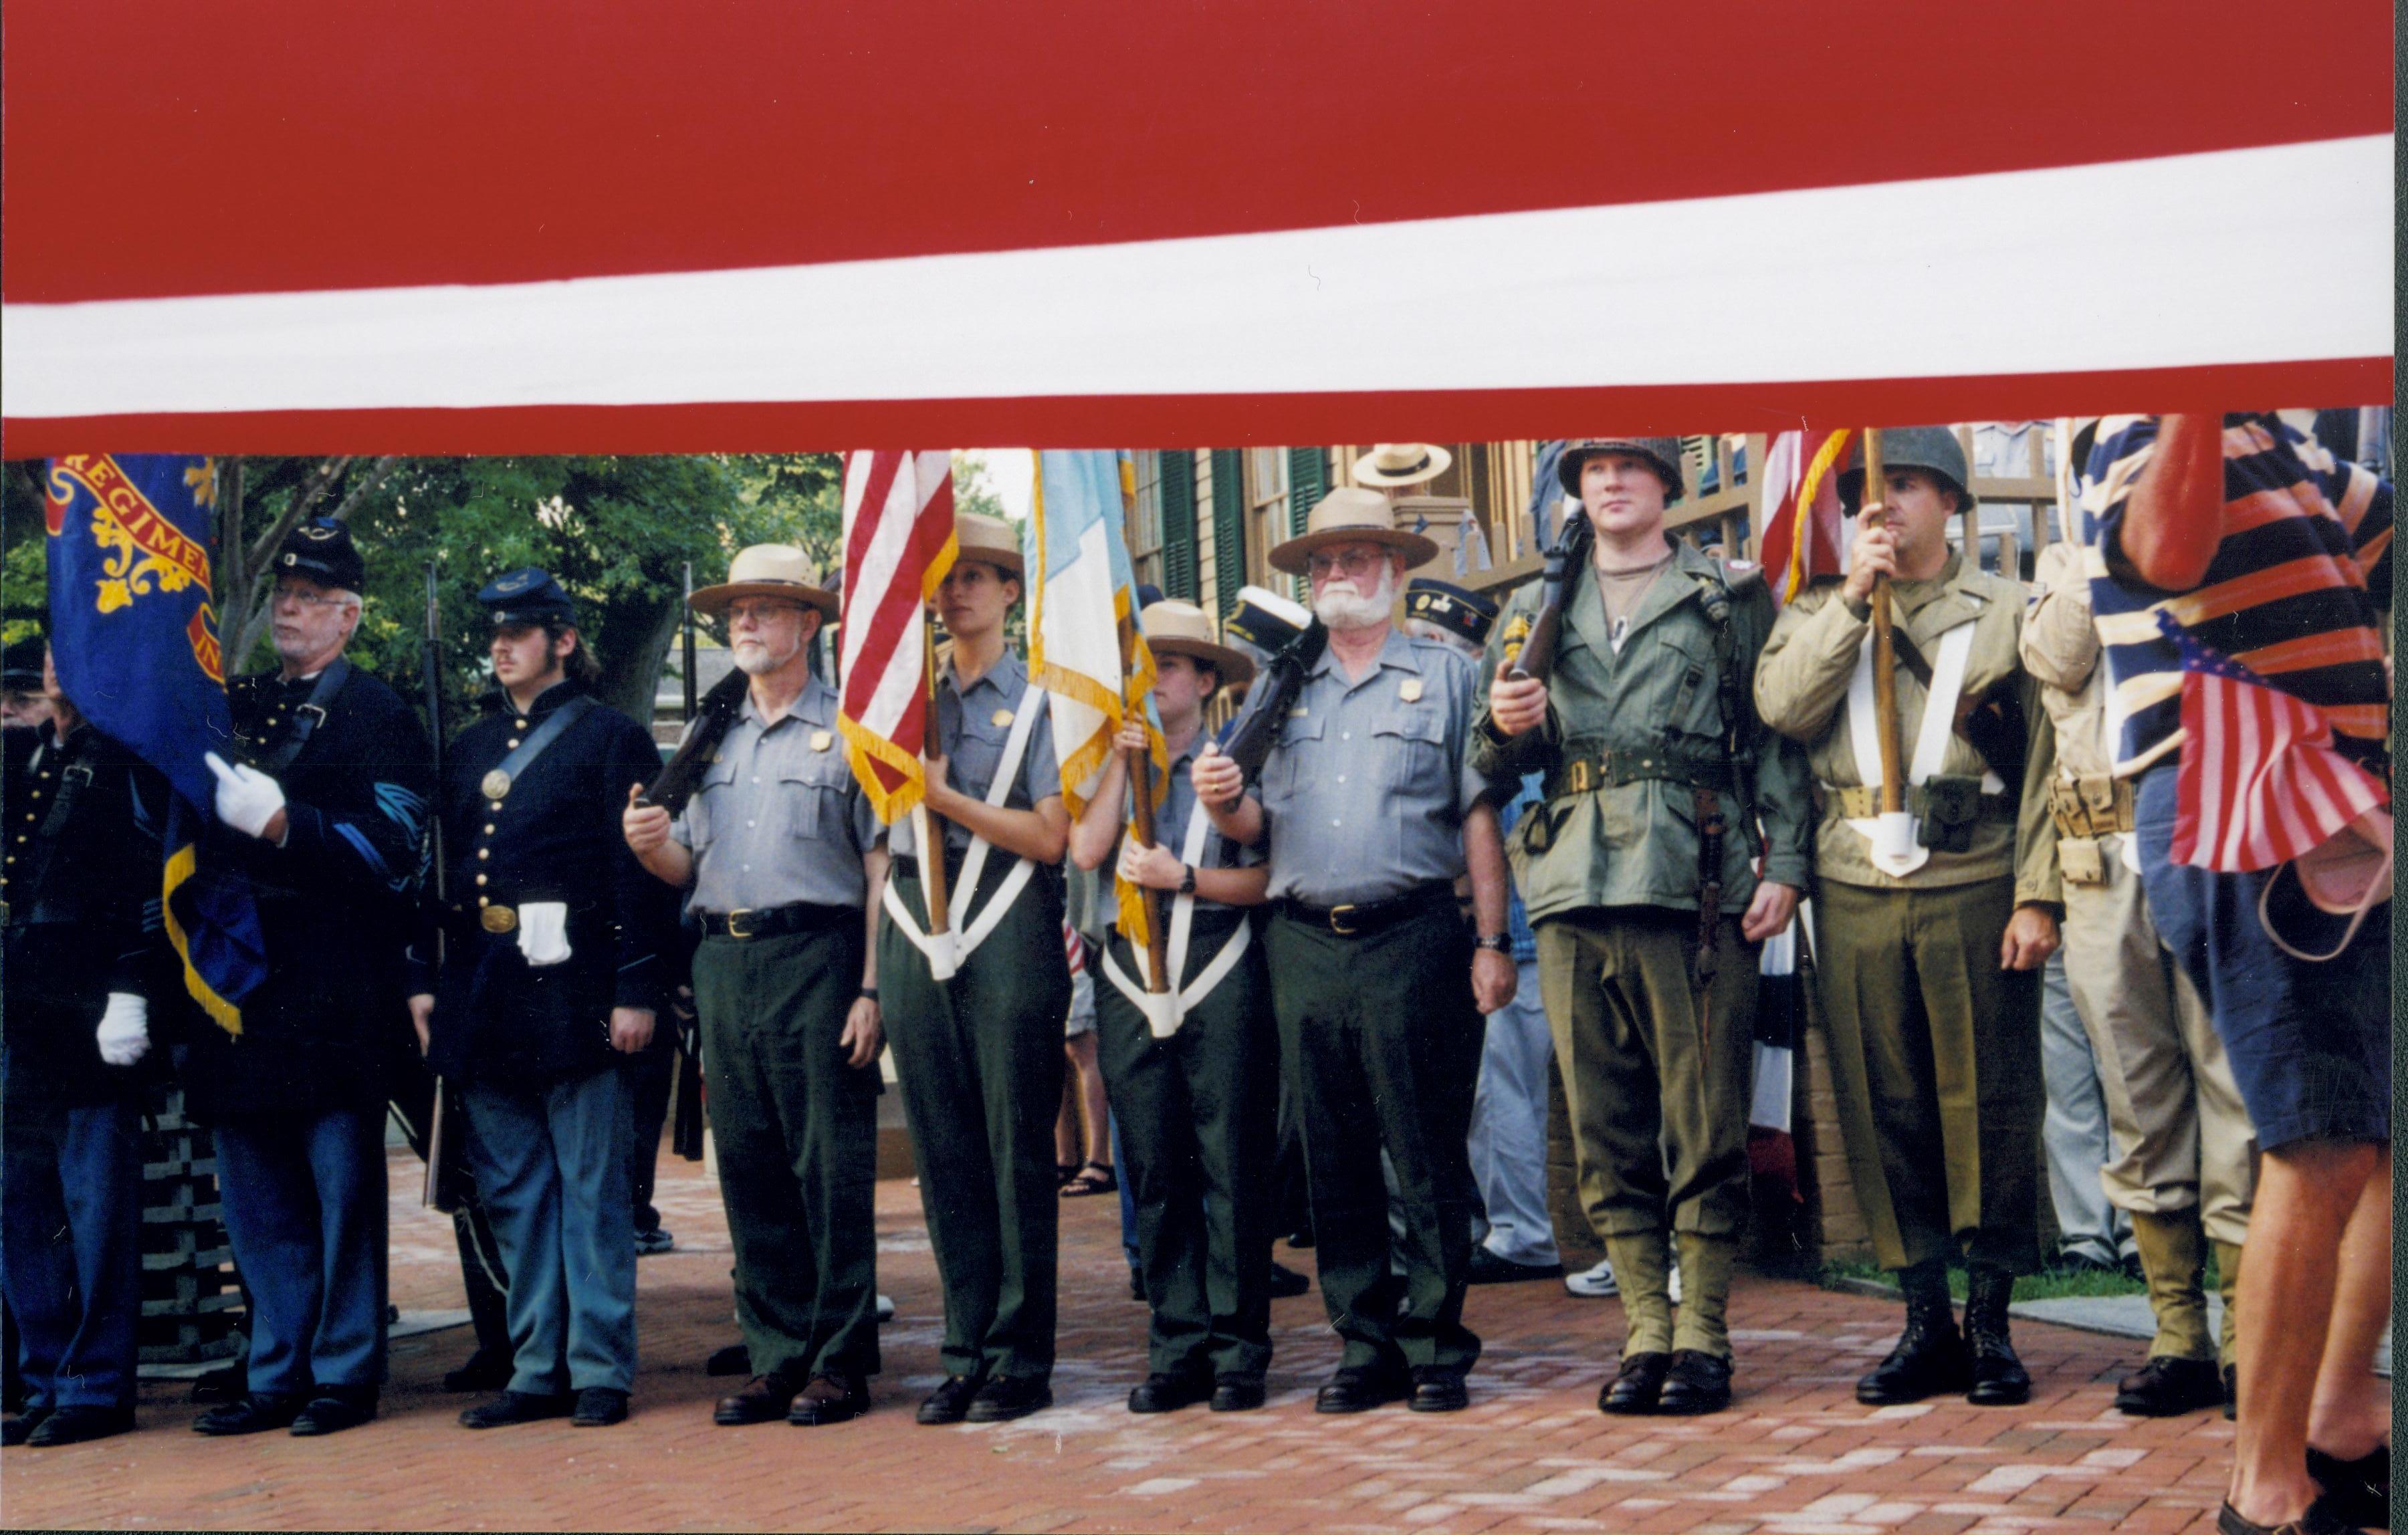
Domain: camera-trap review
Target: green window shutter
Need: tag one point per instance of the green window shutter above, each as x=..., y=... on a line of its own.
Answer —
x=1229, y=523
x=1177, y=489
x=1305, y=472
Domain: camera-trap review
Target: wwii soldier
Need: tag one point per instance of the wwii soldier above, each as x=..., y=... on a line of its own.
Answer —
x=782, y=855
x=328, y=793
x=2184, y=1169
x=1662, y=790
x=1928, y=954
x=1371, y=815
x=976, y=1011
x=553, y=970
x=1193, y=1070
x=86, y=959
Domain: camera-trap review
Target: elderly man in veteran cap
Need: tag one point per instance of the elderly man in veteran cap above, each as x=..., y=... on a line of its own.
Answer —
x=330, y=791
x=1371, y=815
x=553, y=973
x=783, y=857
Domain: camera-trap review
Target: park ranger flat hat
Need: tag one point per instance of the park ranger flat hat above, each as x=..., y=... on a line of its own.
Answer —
x=768, y=570
x=322, y=551
x=1934, y=450
x=1662, y=453
x=1450, y=607
x=1391, y=465
x=527, y=596
x=1181, y=629
x=1351, y=515
x=989, y=540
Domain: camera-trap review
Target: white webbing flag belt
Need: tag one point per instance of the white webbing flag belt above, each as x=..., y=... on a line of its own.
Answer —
x=949, y=950
x=1166, y=1010
x=1930, y=741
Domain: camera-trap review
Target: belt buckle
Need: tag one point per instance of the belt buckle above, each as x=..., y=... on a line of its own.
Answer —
x=497, y=919
x=1580, y=775
x=735, y=920
x=1337, y=922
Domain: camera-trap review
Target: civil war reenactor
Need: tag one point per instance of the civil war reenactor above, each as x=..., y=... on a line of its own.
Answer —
x=329, y=791
x=2185, y=1155
x=975, y=1012
x=86, y=961
x=1193, y=1070
x=553, y=970
x=1663, y=790
x=1378, y=985
x=1928, y=949
x=785, y=862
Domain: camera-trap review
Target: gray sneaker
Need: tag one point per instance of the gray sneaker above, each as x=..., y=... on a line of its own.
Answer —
x=1594, y=1283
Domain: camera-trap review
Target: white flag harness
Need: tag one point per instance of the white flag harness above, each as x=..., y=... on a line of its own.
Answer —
x=1896, y=850
x=1166, y=1010
x=949, y=950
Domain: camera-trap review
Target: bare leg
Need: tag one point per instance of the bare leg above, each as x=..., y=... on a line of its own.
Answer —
x=1094, y=1108
x=2351, y=1413
x=2306, y=1195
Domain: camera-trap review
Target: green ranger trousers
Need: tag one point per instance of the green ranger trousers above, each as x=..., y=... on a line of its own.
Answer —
x=796, y=1132
x=1382, y=1040
x=1657, y=1096
x=1196, y=1114
x=979, y=1060
x=1935, y=1061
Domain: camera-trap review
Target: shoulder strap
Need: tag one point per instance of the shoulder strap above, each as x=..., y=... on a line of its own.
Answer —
x=517, y=763
x=307, y=718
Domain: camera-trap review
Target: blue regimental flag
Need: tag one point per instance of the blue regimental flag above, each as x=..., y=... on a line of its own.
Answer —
x=135, y=640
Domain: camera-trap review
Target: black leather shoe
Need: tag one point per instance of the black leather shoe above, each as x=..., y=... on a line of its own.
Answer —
x=1639, y=1385
x=487, y=1369
x=1437, y=1390
x=1999, y=1378
x=2356, y=1492
x=1930, y=1357
x=2165, y=1386
x=1007, y=1397
x=735, y=1359
x=75, y=1425
x=16, y=1430
x=1161, y=1392
x=2318, y=1520
x=1286, y=1281
x=1357, y=1388
x=256, y=1414
x=1488, y=1268
x=764, y=1399
x=1237, y=1394
x=515, y=1407
x=951, y=1401
x=830, y=1399
x=599, y=1407
x=1694, y=1383
x=332, y=1411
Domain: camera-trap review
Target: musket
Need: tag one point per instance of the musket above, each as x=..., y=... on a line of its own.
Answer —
x=1557, y=572
x=685, y=1126
x=717, y=710
x=1250, y=743
x=444, y=1151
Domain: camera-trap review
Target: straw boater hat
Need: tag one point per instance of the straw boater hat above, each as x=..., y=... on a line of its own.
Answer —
x=1348, y=515
x=1181, y=629
x=989, y=540
x=768, y=570
x=1394, y=464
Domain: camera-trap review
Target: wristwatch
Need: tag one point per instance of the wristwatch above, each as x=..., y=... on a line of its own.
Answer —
x=1498, y=941
x=1187, y=879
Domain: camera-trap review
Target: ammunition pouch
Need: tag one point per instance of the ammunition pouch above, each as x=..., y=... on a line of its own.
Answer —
x=1948, y=809
x=2093, y=804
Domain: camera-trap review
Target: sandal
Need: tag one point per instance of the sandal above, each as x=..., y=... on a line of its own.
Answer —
x=1095, y=1178
x=1064, y=1172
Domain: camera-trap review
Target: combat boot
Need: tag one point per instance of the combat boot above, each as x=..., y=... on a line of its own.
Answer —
x=1929, y=1357
x=1999, y=1377
x=2180, y=1373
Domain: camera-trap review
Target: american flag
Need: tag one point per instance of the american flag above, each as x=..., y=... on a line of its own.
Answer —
x=898, y=543
x=1802, y=515
x=2260, y=781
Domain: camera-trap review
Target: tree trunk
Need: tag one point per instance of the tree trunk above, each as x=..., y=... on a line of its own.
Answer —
x=632, y=678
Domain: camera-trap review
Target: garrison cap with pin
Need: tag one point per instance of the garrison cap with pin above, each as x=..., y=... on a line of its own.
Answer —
x=1450, y=607
x=527, y=596
x=322, y=551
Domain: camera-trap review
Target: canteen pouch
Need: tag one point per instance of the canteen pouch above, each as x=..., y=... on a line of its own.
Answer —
x=1950, y=807
x=2078, y=860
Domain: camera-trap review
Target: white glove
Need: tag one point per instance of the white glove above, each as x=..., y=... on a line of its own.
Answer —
x=543, y=932
x=247, y=800
x=124, y=1031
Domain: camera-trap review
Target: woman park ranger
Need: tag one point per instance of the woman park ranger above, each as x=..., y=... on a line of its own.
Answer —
x=974, y=1009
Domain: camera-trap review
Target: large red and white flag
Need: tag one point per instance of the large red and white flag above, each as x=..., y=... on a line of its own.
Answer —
x=898, y=543
x=1801, y=538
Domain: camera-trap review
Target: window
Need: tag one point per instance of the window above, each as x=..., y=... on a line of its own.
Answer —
x=1267, y=513
x=1145, y=523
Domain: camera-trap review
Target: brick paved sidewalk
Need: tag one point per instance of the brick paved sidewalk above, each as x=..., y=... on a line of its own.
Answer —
x=1795, y=1455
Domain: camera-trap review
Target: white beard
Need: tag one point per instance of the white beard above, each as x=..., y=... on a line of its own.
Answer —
x=761, y=661
x=1344, y=609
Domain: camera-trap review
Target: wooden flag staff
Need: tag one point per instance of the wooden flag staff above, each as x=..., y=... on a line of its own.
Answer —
x=1140, y=776
x=1893, y=789
x=932, y=825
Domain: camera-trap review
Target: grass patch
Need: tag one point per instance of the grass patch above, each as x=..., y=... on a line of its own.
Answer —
x=2048, y=1284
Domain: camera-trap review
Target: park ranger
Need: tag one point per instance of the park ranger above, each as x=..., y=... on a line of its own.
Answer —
x=1192, y=1072
x=1662, y=789
x=783, y=857
x=976, y=1011
x=554, y=970
x=2185, y=1155
x=1370, y=815
x=1927, y=948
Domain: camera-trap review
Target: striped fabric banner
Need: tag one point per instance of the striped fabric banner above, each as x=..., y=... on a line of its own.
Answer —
x=898, y=543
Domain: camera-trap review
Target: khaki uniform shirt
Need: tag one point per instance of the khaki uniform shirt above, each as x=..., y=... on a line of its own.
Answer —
x=1801, y=689
x=1636, y=844
x=2060, y=649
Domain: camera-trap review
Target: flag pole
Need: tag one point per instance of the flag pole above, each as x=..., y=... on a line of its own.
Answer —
x=932, y=825
x=1893, y=790
x=1140, y=775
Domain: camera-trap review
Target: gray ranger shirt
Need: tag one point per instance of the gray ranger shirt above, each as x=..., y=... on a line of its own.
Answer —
x=972, y=724
x=1365, y=793
x=778, y=817
x=1170, y=831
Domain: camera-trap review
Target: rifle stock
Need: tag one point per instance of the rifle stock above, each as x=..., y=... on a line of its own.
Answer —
x=1250, y=744
x=684, y=771
x=1536, y=660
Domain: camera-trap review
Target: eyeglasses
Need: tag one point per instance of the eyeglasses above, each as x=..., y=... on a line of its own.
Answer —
x=760, y=611
x=1356, y=563
x=308, y=599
